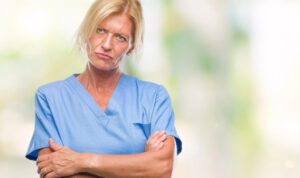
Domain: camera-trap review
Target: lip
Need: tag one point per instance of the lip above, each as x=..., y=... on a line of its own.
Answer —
x=104, y=56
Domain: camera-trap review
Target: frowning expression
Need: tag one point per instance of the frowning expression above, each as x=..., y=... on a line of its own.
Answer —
x=111, y=42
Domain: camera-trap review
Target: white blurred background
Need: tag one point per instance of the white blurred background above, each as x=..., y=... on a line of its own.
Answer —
x=231, y=67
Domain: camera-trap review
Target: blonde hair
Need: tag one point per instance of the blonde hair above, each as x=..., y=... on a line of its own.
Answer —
x=100, y=10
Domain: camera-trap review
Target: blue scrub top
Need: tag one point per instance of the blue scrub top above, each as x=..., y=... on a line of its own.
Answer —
x=66, y=112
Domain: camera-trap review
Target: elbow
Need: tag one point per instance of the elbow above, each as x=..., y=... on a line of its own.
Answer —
x=166, y=169
x=163, y=160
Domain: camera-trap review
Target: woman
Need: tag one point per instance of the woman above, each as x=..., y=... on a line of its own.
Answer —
x=103, y=123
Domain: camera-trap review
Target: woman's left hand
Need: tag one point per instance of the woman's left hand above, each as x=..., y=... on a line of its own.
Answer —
x=61, y=162
x=156, y=141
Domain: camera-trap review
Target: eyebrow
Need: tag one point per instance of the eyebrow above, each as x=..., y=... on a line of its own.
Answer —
x=119, y=33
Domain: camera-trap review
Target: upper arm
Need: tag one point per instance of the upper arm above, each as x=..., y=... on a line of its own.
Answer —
x=163, y=117
x=45, y=127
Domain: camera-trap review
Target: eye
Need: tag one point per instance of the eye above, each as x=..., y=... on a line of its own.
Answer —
x=100, y=30
x=121, y=38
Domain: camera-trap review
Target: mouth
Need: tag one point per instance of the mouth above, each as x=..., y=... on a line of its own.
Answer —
x=104, y=56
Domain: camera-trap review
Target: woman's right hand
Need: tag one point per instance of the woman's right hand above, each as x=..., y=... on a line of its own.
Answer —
x=156, y=141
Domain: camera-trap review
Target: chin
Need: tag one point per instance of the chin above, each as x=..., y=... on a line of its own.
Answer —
x=102, y=66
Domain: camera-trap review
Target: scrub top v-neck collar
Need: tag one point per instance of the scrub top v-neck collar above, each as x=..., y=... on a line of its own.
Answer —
x=85, y=95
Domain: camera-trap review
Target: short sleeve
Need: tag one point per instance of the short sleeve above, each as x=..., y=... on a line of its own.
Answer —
x=44, y=129
x=163, y=117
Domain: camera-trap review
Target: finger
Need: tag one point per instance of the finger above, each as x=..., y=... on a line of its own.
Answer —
x=154, y=134
x=54, y=146
x=154, y=142
x=38, y=170
x=43, y=164
x=45, y=171
x=161, y=144
x=163, y=138
x=51, y=175
x=158, y=134
x=157, y=146
x=42, y=158
x=152, y=137
x=161, y=133
x=158, y=138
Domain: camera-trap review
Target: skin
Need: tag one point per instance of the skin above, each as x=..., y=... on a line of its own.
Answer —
x=112, y=38
x=154, y=143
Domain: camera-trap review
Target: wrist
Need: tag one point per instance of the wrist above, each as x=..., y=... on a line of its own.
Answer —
x=81, y=162
x=87, y=162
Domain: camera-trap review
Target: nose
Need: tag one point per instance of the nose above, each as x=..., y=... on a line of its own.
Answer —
x=107, y=42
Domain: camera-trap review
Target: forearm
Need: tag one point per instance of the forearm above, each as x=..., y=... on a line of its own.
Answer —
x=139, y=165
x=78, y=175
x=148, y=164
x=83, y=175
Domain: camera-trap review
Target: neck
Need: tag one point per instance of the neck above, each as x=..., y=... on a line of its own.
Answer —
x=99, y=80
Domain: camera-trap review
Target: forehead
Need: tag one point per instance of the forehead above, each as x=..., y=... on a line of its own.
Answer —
x=117, y=23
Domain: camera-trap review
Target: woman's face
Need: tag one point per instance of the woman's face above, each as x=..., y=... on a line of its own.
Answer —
x=111, y=42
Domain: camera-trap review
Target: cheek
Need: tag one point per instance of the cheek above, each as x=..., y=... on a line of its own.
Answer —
x=123, y=49
x=95, y=42
x=122, y=53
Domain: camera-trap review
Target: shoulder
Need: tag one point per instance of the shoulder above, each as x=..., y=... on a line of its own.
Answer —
x=142, y=84
x=148, y=89
x=56, y=87
x=43, y=96
x=50, y=87
x=51, y=90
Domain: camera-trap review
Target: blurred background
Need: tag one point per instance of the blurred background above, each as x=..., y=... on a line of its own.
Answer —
x=231, y=67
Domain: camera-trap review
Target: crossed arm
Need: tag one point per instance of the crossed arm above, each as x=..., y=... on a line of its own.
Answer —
x=156, y=161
